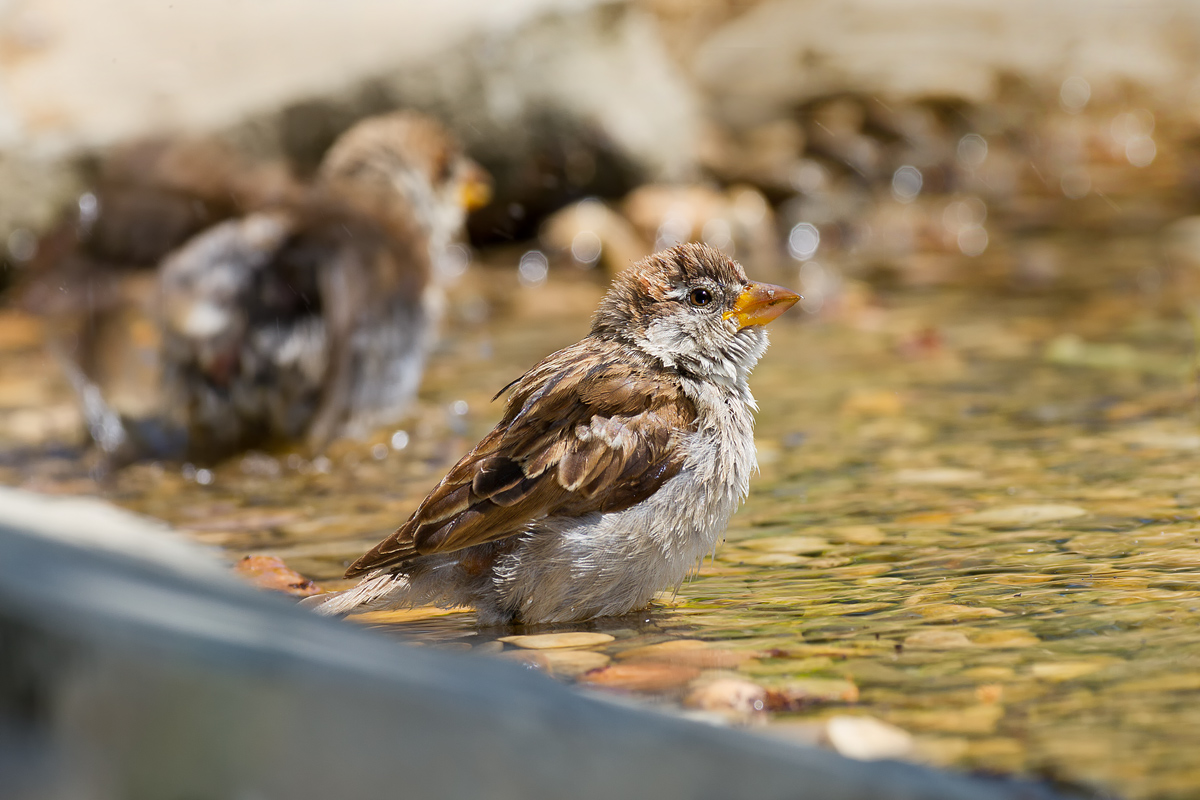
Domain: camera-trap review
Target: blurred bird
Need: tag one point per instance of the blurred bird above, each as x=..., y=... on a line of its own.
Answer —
x=312, y=320
x=93, y=276
x=615, y=467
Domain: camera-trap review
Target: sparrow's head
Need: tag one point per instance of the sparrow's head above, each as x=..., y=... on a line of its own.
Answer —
x=416, y=157
x=693, y=309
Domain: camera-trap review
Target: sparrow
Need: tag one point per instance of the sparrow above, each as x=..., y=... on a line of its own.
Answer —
x=310, y=317
x=614, y=469
x=93, y=277
x=313, y=321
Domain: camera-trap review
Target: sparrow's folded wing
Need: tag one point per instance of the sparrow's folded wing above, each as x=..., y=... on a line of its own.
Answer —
x=580, y=435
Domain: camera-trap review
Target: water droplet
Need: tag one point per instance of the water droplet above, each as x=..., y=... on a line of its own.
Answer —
x=204, y=477
x=22, y=245
x=675, y=229
x=399, y=440
x=972, y=240
x=972, y=150
x=459, y=408
x=1131, y=125
x=455, y=260
x=1140, y=151
x=1074, y=94
x=808, y=177
x=906, y=183
x=964, y=212
x=586, y=248
x=803, y=241
x=533, y=268
x=89, y=209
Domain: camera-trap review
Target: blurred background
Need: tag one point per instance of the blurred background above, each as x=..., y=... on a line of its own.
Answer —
x=927, y=143
x=991, y=209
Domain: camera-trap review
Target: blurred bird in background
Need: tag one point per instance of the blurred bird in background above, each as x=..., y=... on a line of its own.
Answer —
x=282, y=312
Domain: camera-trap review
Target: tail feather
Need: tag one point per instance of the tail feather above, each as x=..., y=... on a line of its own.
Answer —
x=374, y=591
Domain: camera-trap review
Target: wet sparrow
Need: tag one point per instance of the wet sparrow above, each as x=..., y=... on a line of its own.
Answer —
x=615, y=468
x=312, y=320
x=273, y=310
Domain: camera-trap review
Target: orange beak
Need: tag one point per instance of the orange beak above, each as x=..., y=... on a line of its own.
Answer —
x=759, y=303
x=475, y=188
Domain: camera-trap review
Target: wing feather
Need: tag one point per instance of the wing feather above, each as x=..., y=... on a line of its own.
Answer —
x=579, y=435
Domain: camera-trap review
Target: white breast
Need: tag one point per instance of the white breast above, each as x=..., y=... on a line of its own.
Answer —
x=605, y=564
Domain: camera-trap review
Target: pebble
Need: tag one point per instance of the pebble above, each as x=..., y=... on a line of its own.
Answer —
x=937, y=477
x=765, y=559
x=1162, y=439
x=560, y=663
x=1057, y=671
x=989, y=693
x=795, y=545
x=269, y=572
x=550, y=641
x=800, y=693
x=976, y=719
x=641, y=677
x=691, y=652
x=1006, y=639
x=730, y=695
x=872, y=403
x=1017, y=516
x=859, y=534
x=937, y=639
x=1022, y=580
x=867, y=738
x=1104, y=545
x=989, y=673
x=953, y=611
x=396, y=616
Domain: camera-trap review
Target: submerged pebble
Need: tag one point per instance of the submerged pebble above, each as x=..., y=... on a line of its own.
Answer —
x=867, y=738
x=548, y=641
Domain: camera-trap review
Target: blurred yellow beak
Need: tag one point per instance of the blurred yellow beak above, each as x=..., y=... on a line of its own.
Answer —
x=475, y=191
x=759, y=303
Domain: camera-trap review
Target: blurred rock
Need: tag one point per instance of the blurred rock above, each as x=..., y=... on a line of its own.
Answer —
x=766, y=155
x=780, y=54
x=559, y=99
x=738, y=221
x=649, y=676
x=589, y=233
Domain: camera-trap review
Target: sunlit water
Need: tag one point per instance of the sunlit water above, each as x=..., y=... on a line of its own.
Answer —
x=977, y=516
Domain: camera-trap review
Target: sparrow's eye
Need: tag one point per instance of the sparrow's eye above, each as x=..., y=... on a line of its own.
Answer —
x=700, y=297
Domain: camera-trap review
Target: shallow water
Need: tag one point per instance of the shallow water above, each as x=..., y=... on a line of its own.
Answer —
x=977, y=519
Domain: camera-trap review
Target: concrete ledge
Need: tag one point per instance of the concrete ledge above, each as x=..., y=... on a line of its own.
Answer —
x=134, y=669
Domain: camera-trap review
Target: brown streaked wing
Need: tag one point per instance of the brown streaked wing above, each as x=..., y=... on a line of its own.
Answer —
x=580, y=434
